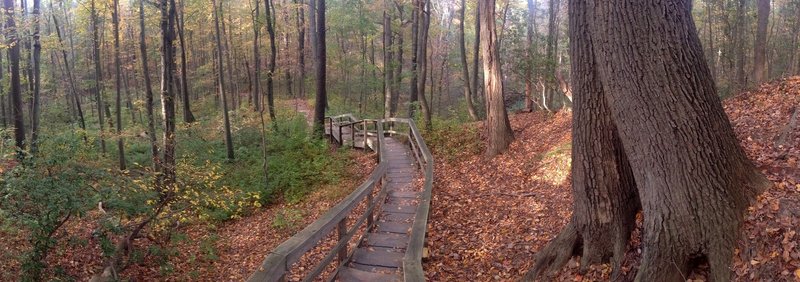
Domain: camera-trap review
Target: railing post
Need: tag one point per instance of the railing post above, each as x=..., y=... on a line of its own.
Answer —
x=330, y=127
x=371, y=212
x=341, y=142
x=342, y=230
x=353, y=134
x=365, y=135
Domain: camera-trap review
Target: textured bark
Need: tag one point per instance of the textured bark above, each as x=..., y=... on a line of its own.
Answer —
x=12, y=40
x=37, y=58
x=398, y=74
x=118, y=86
x=167, y=90
x=149, y=104
x=468, y=90
x=388, y=57
x=414, y=89
x=98, y=75
x=476, y=51
x=605, y=200
x=255, y=95
x=321, y=100
x=272, y=55
x=497, y=125
x=739, y=42
x=221, y=80
x=760, y=48
x=552, y=48
x=422, y=54
x=188, y=117
x=693, y=180
x=301, y=45
x=530, y=52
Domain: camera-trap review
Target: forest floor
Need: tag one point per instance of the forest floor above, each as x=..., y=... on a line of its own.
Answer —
x=489, y=217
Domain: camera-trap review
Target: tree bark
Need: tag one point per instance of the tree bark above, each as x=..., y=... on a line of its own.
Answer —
x=12, y=40
x=414, y=95
x=388, y=73
x=188, y=117
x=422, y=55
x=118, y=86
x=255, y=96
x=530, y=52
x=760, y=48
x=468, y=90
x=272, y=55
x=739, y=43
x=167, y=89
x=497, y=125
x=98, y=75
x=221, y=79
x=301, y=44
x=321, y=100
x=149, y=104
x=693, y=180
x=476, y=52
x=551, y=50
x=37, y=58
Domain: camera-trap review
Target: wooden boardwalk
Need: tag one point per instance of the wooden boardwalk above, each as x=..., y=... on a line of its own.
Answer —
x=380, y=255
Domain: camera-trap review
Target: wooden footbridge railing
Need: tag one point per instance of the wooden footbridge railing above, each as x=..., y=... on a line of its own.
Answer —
x=369, y=135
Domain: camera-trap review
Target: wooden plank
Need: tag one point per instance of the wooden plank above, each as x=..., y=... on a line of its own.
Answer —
x=386, y=257
x=386, y=240
x=351, y=274
x=397, y=217
x=400, y=208
x=372, y=268
x=394, y=227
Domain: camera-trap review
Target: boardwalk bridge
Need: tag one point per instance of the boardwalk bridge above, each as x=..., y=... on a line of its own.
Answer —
x=377, y=233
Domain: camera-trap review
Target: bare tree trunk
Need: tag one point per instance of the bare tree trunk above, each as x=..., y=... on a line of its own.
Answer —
x=760, y=49
x=476, y=52
x=98, y=76
x=321, y=100
x=273, y=53
x=497, y=125
x=167, y=89
x=468, y=90
x=422, y=51
x=739, y=43
x=12, y=40
x=551, y=50
x=149, y=104
x=388, y=73
x=530, y=52
x=37, y=58
x=414, y=95
x=255, y=96
x=188, y=117
x=301, y=44
x=221, y=79
x=118, y=86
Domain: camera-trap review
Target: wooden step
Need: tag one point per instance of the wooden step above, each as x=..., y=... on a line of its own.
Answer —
x=377, y=256
x=352, y=274
x=387, y=240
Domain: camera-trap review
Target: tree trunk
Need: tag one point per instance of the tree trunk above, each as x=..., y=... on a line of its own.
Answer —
x=37, y=81
x=530, y=52
x=118, y=86
x=188, y=117
x=149, y=104
x=301, y=44
x=476, y=54
x=468, y=90
x=693, y=186
x=12, y=40
x=414, y=95
x=398, y=76
x=221, y=79
x=98, y=76
x=551, y=50
x=497, y=125
x=739, y=43
x=255, y=96
x=422, y=51
x=388, y=73
x=760, y=49
x=321, y=100
x=167, y=89
x=272, y=55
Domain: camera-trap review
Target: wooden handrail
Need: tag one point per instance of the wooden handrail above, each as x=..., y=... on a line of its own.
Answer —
x=278, y=262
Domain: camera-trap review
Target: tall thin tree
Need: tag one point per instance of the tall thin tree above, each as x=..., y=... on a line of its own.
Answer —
x=498, y=126
x=321, y=100
x=188, y=116
x=270, y=18
x=37, y=82
x=221, y=79
x=98, y=74
x=12, y=40
x=117, y=85
x=468, y=90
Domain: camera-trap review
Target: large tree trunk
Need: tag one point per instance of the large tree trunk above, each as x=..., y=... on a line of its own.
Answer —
x=12, y=40
x=468, y=90
x=188, y=117
x=498, y=127
x=321, y=100
x=98, y=76
x=760, y=49
x=118, y=86
x=693, y=180
x=221, y=79
x=388, y=73
x=167, y=89
x=272, y=55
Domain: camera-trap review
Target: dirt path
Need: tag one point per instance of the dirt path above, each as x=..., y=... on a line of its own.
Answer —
x=302, y=107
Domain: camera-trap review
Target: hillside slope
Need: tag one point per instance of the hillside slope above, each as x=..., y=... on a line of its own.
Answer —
x=491, y=216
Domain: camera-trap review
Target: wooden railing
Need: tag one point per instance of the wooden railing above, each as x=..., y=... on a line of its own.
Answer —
x=278, y=262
